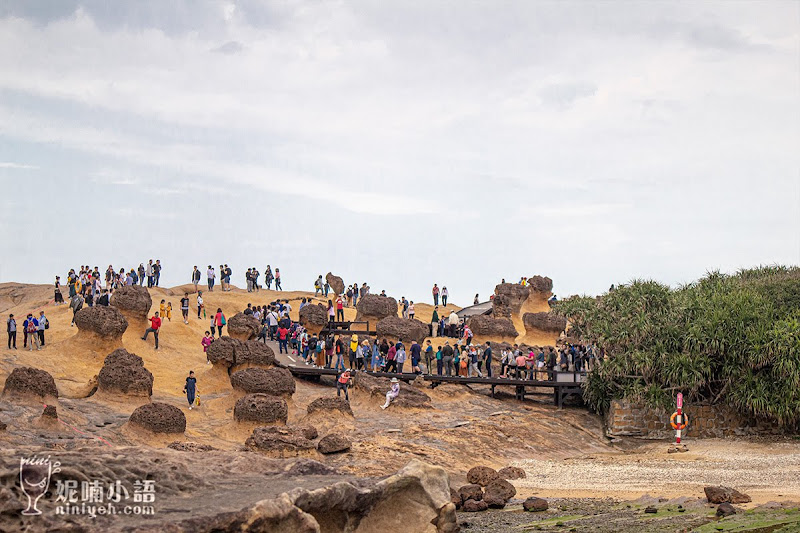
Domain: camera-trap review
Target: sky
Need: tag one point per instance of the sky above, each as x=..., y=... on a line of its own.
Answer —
x=401, y=143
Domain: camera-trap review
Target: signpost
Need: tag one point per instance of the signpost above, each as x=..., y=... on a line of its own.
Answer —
x=678, y=420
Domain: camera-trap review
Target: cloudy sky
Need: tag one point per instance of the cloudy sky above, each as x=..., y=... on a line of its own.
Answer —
x=401, y=143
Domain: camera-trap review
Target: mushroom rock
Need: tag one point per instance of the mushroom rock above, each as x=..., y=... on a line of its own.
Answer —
x=103, y=321
x=407, y=329
x=375, y=307
x=336, y=283
x=243, y=327
x=133, y=301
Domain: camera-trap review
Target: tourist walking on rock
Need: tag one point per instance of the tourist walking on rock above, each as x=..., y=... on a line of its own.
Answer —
x=206, y=342
x=411, y=310
x=476, y=301
x=487, y=357
x=75, y=304
x=157, y=271
x=341, y=384
x=43, y=325
x=195, y=277
x=429, y=357
x=185, y=307
x=31, y=329
x=283, y=340
x=416, y=355
x=393, y=393
x=327, y=288
x=268, y=277
x=200, y=305
x=278, y=279
x=391, y=363
x=211, y=276
x=11, y=329
x=190, y=389
x=435, y=321
x=435, y=293
x=353, y=350
x=400, y=358
x=445, y=294
x=452, y=322
x=58, y=297
x=377, y=360
x=339, y=348
x=142, y=274
x=219, y=321
x=149, y=272
x=155, y=325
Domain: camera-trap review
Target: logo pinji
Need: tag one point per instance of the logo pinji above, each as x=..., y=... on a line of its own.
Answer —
x=34, y=479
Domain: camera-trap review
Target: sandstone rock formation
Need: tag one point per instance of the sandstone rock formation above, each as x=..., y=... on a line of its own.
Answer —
x=230, y=353
x=541, y=284
x=410, y=397
x=106, y=322
x=535, y=505
x=314, y=317
x=261, y=408
x=544, y=322
x=511, y=472
x=333, y=443
x=124, y=373
x=309, y=467
x=190, y=447
x=243, y=327
x=508, y=299
x=336, y=283
x=330, y=403
x=374, y=307
x=725, y=495
x=133, y=301
x=308, y=431
x=407, y=329
x=280, y=441
x=482, y=475
x=490, y=326
x=414, y=499
x=159, y=418
x=274, y=381
x=499, y=490
x=30, y=382
x=50, y=412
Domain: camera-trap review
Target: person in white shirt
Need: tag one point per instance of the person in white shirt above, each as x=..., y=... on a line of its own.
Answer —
x=211, y=277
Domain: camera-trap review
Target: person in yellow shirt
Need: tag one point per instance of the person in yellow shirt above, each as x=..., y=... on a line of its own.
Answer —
x=353, y=348
x=163, y=309
x=169, y=311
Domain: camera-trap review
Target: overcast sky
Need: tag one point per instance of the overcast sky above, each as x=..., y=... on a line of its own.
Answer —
x=401, y=143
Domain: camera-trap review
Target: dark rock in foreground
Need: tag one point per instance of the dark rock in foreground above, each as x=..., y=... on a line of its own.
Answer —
x=159, y=418
x=27, y=381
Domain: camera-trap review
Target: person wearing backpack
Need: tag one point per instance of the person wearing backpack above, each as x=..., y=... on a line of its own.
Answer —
x=31, y=329
x=219, y=321
x=11, y=329
x=318, y=285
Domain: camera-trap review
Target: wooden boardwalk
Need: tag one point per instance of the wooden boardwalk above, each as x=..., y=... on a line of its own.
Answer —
x=563, y=384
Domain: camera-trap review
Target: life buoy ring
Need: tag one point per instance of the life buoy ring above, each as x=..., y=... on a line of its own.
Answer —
x=682, y=425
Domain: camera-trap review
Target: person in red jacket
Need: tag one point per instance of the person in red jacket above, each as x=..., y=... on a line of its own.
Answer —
x=155, y=324
x=283, y=340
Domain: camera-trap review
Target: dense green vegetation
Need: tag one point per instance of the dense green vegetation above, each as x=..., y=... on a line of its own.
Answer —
x=725, y=338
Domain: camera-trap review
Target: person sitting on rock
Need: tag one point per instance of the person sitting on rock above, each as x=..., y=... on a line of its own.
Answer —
x=393, y=393
x=342, y=382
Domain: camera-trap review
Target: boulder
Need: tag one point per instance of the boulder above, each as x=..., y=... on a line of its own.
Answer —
x=511, y=472
x=417, y=498
x=159, y=418
x=229, y=352
x=535, y=505
x=544, y=322
x=482, y=475
x=508, y=299
x=309, y=467
x=472, y=506
x=106, y=322
x=278, y=515
x=470, y=492
x=124, y=373
x=333, y=443
x=133, y=301
x=374, y=307
x=280, y=441
x=274, y=381
x=222, y=351
x=541, y=284
x=261, y=408
x=252, y=353
x=243, y=327
x=491, y=326
x=330, y=403
x=407, y=329
x=378, y=387
x=336, y=283
x=27, y=381
x=725, y=509
x=455, y=497
x=725, y=495
x=190, y=447
x=50, y=411
x=499, y=489
x=308, y=431
x=314, y=317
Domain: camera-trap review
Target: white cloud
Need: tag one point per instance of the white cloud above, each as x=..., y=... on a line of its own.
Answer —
x=17, y=166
